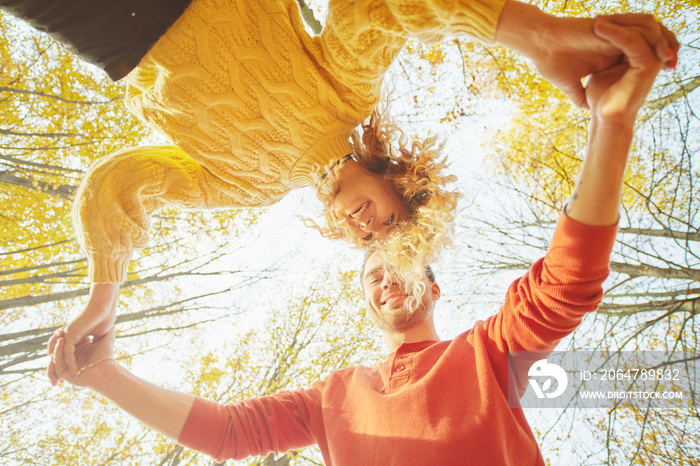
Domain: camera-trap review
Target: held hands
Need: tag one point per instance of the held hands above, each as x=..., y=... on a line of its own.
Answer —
x=566, y=50
x=96, y=320
x=615, y=95
x=90, y=355
x=570, y=49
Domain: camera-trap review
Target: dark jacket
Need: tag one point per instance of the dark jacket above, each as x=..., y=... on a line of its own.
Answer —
x=112, y=34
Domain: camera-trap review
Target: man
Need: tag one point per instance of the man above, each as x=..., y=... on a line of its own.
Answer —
x=430, y=402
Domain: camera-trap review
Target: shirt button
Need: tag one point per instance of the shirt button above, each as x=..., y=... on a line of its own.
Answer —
x=400, y=368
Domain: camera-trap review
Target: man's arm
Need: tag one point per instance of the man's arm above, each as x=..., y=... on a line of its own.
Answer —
x=614, y=96
x=161, y=409
x=250, y=427
x=549, y=302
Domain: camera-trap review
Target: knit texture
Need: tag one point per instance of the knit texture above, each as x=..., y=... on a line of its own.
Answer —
x=254, y=107
x=430, y=402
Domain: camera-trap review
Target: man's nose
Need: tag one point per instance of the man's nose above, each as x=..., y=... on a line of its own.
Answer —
x=387, y=281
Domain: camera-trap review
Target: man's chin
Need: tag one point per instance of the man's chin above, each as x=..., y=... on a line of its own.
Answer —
x=396, y=315
x=399, y=319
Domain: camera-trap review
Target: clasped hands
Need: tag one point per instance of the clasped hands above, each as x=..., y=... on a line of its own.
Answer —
x=74, y=346
x=565, y=51
x=87, y=355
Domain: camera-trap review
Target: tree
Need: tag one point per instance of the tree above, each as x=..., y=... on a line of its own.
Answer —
x=653, y=300
x=322, y=328
x=58, y=115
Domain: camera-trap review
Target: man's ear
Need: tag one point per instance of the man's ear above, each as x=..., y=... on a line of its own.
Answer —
x=435, y=291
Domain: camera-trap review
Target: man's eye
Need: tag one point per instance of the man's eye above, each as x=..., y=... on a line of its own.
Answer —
x=390, y=221
x=367, y=239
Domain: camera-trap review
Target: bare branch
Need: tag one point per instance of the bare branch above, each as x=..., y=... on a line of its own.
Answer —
x=691, y=306
x=651, y=108
x=50, y=96
x=59, y=190
x=8, y=132
x=666, y=233
x=644, y=270
x=41, y=266
x=17, y=161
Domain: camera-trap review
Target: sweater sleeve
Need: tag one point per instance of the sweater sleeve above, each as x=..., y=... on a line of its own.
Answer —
x=257, y=426
x=114, y=201
x=361, y=38
x=550, y=301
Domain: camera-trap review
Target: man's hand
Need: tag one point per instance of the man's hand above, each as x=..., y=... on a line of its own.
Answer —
x=96, y=320
x=616, y=95
x=162, y=409
x=566, y=50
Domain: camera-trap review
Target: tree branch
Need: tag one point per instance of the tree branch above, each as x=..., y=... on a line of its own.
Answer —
x=681, y=235
x=644, y=270
x=63, y=191
x=651, y=108
x=691, y=306
x=17, y=161
x=51, y=96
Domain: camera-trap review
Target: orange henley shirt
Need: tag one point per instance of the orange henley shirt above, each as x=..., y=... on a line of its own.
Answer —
x=429, y=403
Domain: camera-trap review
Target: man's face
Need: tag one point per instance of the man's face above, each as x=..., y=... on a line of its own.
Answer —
x=385, y=298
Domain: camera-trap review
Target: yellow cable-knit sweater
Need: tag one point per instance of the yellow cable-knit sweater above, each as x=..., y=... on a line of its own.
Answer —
x=254, y=107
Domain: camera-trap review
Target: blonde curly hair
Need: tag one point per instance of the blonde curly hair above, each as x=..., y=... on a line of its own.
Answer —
x=415, y=170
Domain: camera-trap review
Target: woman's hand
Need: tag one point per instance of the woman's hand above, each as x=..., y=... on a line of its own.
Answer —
x=89, y=355
x=96, y=320
x=616, y=95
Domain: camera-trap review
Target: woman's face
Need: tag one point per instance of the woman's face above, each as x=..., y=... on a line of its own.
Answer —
x=367, y=202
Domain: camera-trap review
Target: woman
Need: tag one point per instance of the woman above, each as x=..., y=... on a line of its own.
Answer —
x=256, y=107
